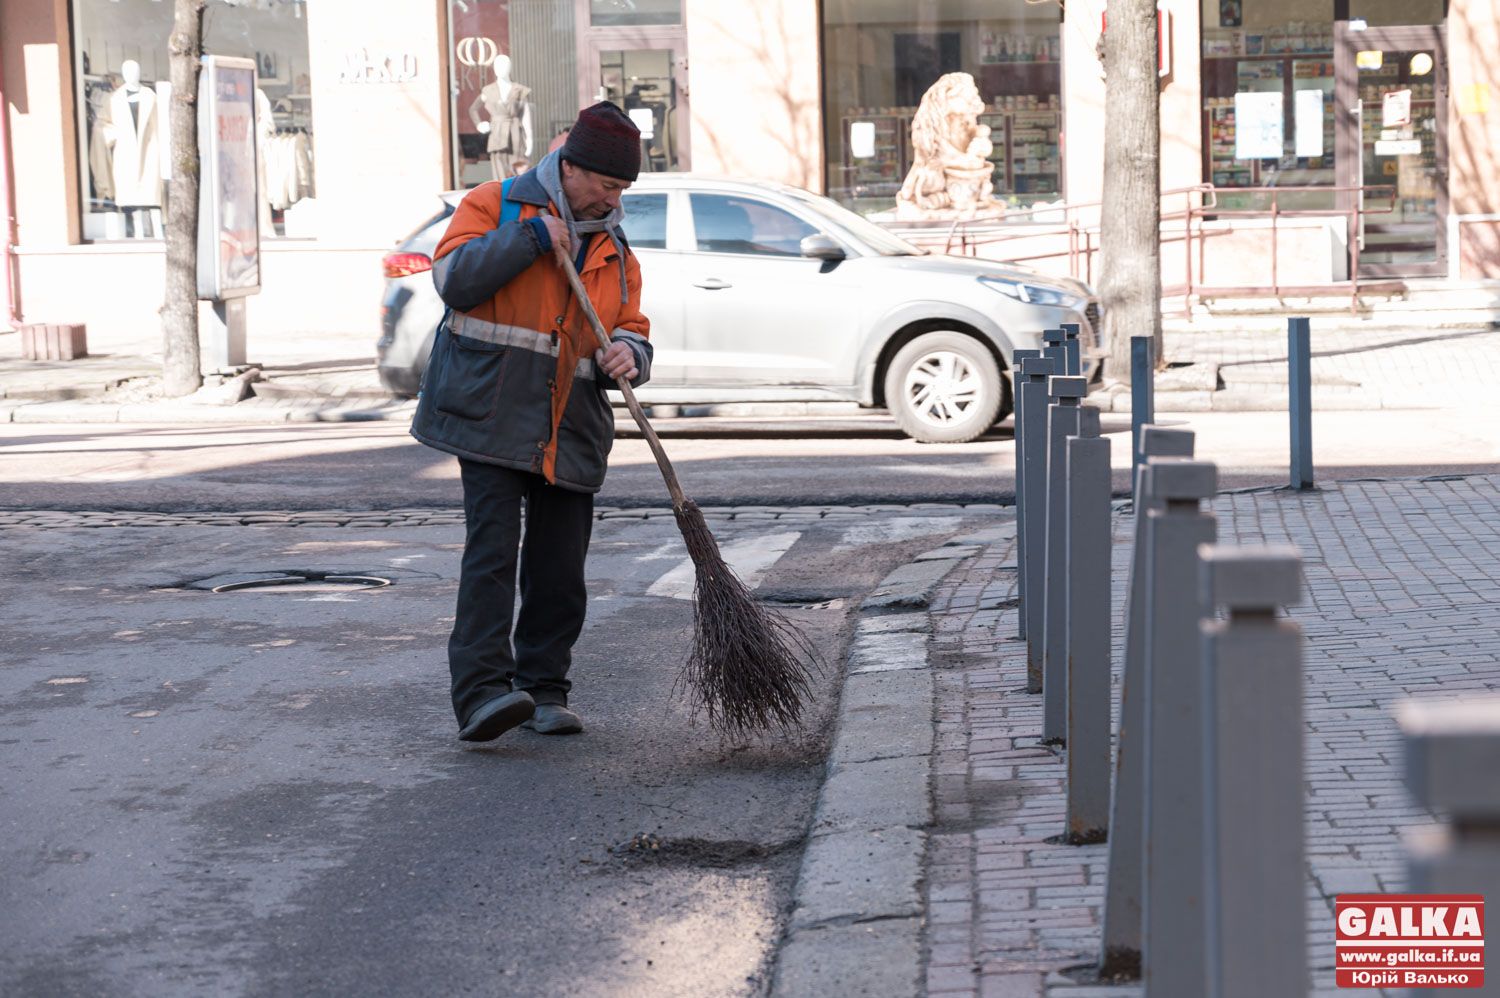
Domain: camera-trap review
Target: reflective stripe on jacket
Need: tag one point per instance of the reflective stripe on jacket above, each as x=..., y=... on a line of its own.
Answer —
x=511, y=379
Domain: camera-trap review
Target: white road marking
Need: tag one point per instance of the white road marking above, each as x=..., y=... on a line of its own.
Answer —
x=749, y=557
x=891, y=529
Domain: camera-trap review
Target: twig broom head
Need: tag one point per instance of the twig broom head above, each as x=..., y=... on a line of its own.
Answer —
x=749, y=665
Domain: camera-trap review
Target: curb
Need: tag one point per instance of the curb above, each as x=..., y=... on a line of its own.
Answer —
x=266, y=410
x=858, y=908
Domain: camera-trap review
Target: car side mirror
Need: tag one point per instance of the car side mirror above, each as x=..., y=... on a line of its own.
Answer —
x=821, y=247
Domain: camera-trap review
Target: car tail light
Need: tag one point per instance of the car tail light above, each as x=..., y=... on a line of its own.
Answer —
x=406, y=264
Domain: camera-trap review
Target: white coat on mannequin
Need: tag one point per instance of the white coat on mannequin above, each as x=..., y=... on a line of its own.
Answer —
x=135, y=163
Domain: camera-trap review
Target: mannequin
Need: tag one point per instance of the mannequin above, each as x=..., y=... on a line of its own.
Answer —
x=135, y=163
x=509, y=124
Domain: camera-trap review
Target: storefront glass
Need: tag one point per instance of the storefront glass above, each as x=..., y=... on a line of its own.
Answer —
x=1391, y=13
x=123, y=99
x=513, y=68
x=1268, y=100
x=881, y=56
x=634, y=13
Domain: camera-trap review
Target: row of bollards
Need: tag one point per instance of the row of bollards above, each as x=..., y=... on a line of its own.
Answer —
x=1203, y=809
x=1196, y=691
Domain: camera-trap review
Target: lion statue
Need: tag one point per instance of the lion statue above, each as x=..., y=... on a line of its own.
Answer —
x=950, y=176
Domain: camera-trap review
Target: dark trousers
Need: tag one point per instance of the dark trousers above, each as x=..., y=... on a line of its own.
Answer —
x=553, y=597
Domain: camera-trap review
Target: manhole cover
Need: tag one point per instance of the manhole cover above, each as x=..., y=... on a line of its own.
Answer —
x=307, y=582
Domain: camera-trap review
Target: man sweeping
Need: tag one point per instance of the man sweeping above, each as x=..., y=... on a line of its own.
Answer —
x=516, y=389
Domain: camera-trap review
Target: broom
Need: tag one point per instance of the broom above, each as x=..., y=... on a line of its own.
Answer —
x=746, y=667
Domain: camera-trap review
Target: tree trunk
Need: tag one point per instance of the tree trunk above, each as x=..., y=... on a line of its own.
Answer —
x=1130, y=234
x=181, y=373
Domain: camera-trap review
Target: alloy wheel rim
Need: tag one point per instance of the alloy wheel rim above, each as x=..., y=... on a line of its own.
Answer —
x=941, y=388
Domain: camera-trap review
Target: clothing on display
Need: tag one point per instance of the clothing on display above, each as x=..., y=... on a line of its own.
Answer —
x=289, y=174
x=130, y=134
x=101, y=162
x=507, y=140
x=506, y=118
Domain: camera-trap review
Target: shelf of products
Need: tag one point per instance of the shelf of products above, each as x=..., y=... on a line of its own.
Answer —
x=883, y=171
x=1023, y=131
x=1286, y=60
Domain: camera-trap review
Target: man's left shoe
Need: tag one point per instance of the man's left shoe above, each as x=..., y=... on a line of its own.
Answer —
x=554, y=719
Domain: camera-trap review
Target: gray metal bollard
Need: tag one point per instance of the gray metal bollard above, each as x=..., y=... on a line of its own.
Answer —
x=1062, y=423
x=1252, y=733
x=1452, y=762
x=1172, y=932
x=1299, y=391
x=1072, y=332
x=1018, y=358
x=1142, y=395
x=1088, y=547
x=1034, y=511
x=1055, y=345
x=1120, y=949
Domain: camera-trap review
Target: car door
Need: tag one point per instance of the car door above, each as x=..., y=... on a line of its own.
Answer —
x=756, y=311
x=646, y=229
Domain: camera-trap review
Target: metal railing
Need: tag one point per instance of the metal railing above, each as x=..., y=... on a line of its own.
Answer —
x=1080, y=225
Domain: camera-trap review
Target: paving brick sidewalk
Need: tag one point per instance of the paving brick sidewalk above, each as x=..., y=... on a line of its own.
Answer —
x=1402, y=600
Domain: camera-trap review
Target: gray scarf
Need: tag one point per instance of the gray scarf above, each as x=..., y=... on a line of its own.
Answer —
x=549, y=172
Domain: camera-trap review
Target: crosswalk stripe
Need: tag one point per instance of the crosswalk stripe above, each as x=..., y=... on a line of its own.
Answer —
x=750, y=557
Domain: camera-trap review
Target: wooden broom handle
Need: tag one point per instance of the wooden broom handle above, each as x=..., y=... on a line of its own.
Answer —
x=679, y=500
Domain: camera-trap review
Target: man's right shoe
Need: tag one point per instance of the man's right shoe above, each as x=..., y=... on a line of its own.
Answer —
x=495, y=717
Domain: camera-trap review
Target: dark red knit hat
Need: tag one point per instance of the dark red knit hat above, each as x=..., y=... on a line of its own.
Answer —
x=605, y=140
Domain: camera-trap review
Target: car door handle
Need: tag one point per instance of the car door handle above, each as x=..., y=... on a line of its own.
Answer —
x=712, y=284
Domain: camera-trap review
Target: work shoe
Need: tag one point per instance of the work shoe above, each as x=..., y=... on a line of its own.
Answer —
x=495, y=717
x=554, y=719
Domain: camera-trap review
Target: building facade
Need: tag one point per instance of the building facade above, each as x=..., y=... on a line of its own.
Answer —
x=369, y=108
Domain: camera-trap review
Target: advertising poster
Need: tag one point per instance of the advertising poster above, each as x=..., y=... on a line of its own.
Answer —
x=1258, y=125
x=1395, y=108
x=1308, y=116
x=228, y=222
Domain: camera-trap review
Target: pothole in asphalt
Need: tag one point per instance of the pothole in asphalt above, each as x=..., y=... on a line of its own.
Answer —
x=298, y=582
x=690, y=851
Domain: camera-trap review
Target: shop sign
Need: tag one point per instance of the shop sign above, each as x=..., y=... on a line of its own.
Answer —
x=1395, y=108
x=228, y=197
x=1398, y=147
x=383, y=67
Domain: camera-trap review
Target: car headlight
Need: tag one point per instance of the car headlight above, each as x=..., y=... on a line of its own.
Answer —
x=1031, y=293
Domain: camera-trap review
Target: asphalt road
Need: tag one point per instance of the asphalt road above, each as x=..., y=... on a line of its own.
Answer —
x=720, y=462
x=260, y=793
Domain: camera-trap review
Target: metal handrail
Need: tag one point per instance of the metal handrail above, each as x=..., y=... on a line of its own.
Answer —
x=968, y=234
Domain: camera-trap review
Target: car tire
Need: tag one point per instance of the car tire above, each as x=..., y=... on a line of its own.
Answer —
x=944, y=387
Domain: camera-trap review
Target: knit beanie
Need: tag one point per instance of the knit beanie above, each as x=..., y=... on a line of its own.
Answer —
x=606, y=141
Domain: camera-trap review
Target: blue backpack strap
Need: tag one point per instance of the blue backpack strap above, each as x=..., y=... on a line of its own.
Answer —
x=509, y=210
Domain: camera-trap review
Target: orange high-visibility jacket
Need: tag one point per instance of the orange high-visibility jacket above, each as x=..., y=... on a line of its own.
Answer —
x=511, y=380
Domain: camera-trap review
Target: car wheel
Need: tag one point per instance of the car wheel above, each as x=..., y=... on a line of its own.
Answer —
x=944, y=388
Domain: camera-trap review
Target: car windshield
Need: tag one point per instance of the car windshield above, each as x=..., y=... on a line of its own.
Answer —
x=871, y=234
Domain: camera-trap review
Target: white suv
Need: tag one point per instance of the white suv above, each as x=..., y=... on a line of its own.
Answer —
x=759, y=292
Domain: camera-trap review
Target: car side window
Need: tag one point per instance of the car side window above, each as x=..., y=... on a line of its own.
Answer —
x=727, y=224
x=645, y=220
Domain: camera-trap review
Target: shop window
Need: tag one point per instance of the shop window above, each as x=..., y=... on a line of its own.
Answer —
x=514, y=79
x=1268, y=101
x=879, y=60
x=124, y=95
x=634, y=13
x=1395, y=13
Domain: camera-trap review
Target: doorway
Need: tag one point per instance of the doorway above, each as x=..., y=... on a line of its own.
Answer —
x=635, y=56
x=1394, y=80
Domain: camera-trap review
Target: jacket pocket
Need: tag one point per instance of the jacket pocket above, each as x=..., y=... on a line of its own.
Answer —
x=469, y=382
